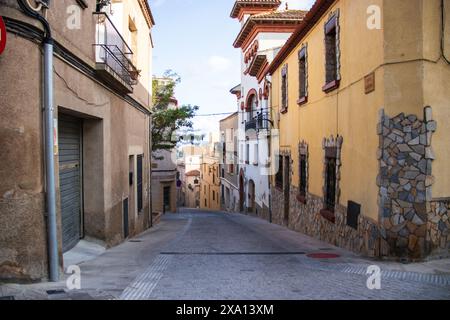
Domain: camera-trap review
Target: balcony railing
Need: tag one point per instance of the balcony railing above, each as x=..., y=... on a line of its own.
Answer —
x=259, y=122
x=112, y=54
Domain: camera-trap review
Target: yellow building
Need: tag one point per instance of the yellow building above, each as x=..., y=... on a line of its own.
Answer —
x=360, y=94
x=210, y=184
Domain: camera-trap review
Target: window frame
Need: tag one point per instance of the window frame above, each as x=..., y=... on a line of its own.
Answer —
x=303, y=73
x=303, y=172
x=332, y=26
x=284, y=89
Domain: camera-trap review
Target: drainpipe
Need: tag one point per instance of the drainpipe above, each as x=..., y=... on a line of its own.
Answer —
x=49, y=143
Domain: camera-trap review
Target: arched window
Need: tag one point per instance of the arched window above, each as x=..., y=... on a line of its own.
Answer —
x=252, y=104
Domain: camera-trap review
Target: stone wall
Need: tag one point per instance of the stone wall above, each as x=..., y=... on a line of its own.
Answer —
x=306, y=218
x=405, y=181
x=438, y=233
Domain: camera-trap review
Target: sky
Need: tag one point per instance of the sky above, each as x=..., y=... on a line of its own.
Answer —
x=194, y=38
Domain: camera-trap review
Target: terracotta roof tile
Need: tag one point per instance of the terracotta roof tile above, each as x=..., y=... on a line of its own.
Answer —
x=287, y=17
x=253, y=3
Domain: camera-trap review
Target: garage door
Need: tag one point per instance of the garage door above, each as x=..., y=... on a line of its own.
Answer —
x=69, y=139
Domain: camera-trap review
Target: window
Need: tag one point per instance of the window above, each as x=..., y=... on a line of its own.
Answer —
x=303, y=77
x=332, y=76
x=284, y=89
x=302, y=187
x=133, y=39
x=279, y=174
x=255, y=155
x=214, y=196
x=330, y=182
x=247, y=153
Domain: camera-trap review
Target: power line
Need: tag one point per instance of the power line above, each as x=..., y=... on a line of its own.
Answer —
x=226, y=113
x=214, y=114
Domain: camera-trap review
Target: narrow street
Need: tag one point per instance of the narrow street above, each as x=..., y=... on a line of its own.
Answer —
x=202, y=255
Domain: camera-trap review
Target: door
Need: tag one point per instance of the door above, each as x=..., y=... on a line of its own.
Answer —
x=287, y=188
x=140, y=190
x=70, y=161
x=241, y=192
x=166, y=200
x=126, y=231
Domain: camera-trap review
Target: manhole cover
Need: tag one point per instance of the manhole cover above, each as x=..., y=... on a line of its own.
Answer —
x=323, y=255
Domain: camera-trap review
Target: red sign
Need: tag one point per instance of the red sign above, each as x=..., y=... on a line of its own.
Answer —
x=2, y=36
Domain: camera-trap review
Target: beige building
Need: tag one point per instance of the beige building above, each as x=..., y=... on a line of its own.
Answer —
x=361, y=104
x=164, y=174
x=210, y=184
x=229, y=170
x=210, y=174
x=192, y=189
x=102, y=99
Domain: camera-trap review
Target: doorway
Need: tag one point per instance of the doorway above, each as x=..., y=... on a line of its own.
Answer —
x=70, y=179
x=166, y=199
x=286, y=188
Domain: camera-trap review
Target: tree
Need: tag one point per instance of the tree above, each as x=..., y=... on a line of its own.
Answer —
x=165, y=120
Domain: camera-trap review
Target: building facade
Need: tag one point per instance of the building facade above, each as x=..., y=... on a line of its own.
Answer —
x=361, y=102
x=210, y=184
x=164, y=174
x=192, y=189
x=101, y=128
x=210, y=174
x=264, y=29
x=229, y=170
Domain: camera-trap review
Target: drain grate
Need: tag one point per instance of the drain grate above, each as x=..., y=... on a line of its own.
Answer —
x=7, y=298
x=134, y=240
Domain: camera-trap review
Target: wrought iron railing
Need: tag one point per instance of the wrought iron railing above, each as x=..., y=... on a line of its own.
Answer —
x=113, y=51
x=260, y=122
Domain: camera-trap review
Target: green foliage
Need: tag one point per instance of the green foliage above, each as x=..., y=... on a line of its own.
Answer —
x=165, y=120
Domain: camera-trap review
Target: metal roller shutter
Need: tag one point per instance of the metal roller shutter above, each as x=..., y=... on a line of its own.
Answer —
x=69, y=139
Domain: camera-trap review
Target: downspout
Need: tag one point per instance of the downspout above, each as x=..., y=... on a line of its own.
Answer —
x=150, y=205
x=49, y=143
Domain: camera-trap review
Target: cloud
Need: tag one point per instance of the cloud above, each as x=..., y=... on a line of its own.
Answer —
x=218, y=63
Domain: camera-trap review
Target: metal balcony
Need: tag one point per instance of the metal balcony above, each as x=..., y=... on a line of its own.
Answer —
x=259, y=122
x=113, y=55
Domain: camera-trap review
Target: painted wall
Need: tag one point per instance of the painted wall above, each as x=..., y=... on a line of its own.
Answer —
x=113, y=130
x=210, y=184
x=347, y=111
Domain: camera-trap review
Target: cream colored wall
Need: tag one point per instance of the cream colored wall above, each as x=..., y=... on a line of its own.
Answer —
x=436, y=91
x=208, y=182
x=144, y=53
x=425, y=80
x=347, y=111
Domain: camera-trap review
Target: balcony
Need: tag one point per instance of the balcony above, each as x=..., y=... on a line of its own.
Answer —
x=259, y=122
x=113, y=56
